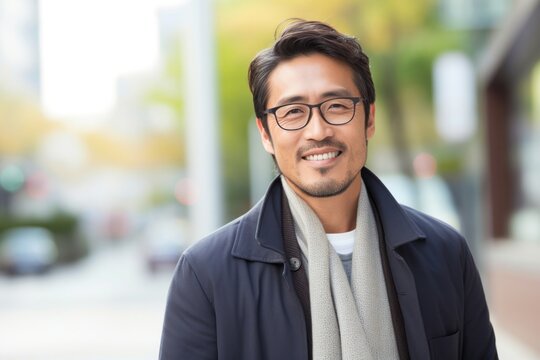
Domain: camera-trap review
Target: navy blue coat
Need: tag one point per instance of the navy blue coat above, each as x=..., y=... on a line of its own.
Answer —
x=232, y=296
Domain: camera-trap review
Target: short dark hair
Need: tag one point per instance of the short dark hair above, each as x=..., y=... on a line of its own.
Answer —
x=301, y=37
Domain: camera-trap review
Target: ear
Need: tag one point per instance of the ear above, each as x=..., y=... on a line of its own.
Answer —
x=370, y=128
x=265, y=138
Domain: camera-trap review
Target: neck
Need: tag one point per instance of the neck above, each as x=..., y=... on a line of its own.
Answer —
x=337, y=213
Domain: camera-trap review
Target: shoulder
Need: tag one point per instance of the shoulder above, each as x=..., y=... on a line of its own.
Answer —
x=217, y=246
x=201, y=264
x=431, y=226
x=213, y=253
x=441, y=241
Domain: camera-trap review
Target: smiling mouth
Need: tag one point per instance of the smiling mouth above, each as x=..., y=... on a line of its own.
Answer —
x=323, y=156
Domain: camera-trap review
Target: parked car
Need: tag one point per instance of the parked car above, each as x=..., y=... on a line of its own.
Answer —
x=27, y=250
x=164, y=240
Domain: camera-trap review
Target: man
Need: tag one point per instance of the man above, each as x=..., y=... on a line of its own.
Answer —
x=327, y=265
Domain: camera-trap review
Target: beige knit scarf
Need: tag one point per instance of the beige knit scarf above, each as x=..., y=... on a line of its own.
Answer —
x=348, y=321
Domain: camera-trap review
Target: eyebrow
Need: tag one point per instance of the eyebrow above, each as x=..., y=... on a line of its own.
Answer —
x=325, y=95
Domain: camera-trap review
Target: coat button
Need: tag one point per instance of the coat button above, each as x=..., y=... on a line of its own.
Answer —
x=295, y=263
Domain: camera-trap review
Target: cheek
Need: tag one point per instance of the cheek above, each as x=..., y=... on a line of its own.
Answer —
x=285, y=149
x=282, y=152
x=359, y=144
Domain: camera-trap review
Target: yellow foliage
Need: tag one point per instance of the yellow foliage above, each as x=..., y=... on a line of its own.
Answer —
x=377, y=23
x=21, y=126
x=119, y=151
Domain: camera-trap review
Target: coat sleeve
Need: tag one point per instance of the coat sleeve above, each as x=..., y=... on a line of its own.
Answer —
x=189, y=324
x=478, y=336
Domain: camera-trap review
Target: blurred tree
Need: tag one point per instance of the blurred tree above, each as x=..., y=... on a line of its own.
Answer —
x=151, y=152
x=168, y=91
x=402, y=39
x=21, y=126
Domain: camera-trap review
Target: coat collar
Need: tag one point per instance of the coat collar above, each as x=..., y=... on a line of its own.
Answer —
x=259, y=236
x=398, y=227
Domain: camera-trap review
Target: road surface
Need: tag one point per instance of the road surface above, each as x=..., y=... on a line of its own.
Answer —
x=105, y=307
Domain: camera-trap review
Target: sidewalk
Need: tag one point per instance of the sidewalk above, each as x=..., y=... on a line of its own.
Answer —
x=512, y=280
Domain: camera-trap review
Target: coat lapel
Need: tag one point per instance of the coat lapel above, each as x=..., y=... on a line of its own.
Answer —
x=399, y=230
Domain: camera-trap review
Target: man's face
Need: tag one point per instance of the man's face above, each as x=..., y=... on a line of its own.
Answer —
x=312, y=79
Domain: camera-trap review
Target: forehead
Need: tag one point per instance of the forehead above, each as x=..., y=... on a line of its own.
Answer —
x=309, y=78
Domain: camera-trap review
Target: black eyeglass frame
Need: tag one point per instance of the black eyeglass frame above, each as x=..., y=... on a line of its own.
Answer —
x=356, y=100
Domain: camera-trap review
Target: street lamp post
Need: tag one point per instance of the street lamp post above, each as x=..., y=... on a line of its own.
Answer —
x=202, y=135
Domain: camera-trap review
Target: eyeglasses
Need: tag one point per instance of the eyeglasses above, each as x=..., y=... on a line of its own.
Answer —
x=295, y=116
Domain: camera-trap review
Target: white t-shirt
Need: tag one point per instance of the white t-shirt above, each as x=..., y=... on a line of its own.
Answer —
x=342, y=242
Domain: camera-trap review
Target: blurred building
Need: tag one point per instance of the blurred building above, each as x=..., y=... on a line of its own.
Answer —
x=133, y=116
x=171, y=21
x=510, y=83
x=137, y=113
x=19, y=77
x=19, y=47
x=466, y=14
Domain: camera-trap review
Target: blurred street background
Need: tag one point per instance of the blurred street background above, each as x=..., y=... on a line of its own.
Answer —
x=127, y=133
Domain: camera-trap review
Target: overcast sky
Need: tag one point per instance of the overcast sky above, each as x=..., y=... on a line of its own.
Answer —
x=87, y=44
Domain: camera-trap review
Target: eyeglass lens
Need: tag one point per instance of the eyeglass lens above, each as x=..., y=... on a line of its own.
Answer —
x=335, y=111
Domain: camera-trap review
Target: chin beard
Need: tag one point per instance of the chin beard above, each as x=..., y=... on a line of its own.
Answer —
x=325, y=188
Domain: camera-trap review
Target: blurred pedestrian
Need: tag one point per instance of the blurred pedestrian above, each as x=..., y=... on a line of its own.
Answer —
x=327, y=265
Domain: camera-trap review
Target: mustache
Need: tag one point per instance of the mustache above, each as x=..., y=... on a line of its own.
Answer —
x=320, y=144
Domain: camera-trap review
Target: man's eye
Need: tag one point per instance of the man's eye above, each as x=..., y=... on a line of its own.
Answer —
x=338, y=105
x=296, y=111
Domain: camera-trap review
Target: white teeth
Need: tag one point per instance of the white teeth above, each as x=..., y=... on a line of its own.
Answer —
x=320, y=157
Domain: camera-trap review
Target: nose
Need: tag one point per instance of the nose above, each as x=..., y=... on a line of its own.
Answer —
x=317, y=128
